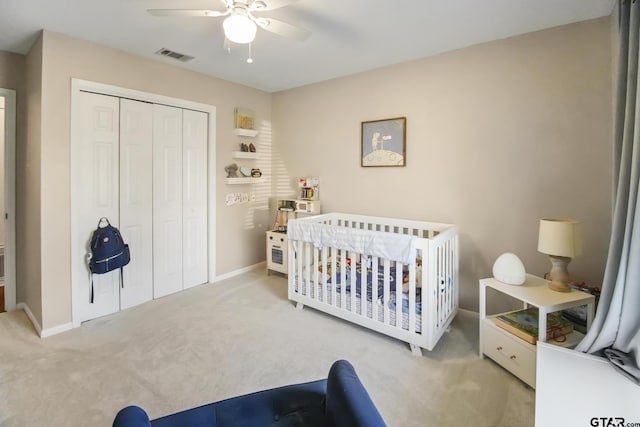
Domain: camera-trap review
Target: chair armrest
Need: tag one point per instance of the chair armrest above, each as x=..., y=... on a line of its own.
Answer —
x=132, y=416
x=348, y=403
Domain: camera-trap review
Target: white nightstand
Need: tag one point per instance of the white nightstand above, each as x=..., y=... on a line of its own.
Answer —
x=511, y=352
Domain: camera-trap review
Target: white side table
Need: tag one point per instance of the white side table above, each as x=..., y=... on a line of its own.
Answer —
x=512, y=352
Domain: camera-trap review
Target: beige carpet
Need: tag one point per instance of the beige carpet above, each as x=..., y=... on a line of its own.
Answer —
x=234, y=337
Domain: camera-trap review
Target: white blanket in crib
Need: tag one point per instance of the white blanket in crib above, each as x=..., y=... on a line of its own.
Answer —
x=396, y=247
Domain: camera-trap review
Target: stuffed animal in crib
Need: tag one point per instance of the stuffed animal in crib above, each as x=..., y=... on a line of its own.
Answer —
x=405, y=282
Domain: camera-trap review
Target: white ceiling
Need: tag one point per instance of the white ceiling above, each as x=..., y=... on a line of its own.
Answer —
x=348, y=36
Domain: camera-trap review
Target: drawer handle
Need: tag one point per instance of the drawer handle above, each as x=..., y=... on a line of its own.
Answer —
x=513, y=357
x=499, y=348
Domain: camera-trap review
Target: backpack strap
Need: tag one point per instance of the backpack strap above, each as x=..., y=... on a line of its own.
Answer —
x=91, y=299
x=121, y=278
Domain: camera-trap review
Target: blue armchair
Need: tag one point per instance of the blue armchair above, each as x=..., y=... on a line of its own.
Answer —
x=338, y=401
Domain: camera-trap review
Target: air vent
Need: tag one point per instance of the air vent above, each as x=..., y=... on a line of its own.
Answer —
x=175, y=55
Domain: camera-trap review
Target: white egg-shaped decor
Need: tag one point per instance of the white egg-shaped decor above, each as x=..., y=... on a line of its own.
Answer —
x=509, y=269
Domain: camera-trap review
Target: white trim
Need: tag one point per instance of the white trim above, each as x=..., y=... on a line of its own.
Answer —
x=23, y=306
x=10, y=197
x=240, y=271
x=43, y=333
x=78, y=85
x=56, y=330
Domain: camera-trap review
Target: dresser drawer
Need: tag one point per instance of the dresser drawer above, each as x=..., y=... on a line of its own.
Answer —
x=515, y=355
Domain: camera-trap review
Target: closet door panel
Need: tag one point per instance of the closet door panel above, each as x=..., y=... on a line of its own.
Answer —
x=136, y=208
x=95, y=166
x=194, y=198
x=167, y=200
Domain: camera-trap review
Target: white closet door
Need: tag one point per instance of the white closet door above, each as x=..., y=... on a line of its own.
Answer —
x=136, y=219
x=194, y=198
x=167, y=200
x=97, y=196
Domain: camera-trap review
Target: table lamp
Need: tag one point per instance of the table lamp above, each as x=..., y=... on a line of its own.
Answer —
x=561, y=239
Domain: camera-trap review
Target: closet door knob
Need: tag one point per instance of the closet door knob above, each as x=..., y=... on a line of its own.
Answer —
x=513, y=357
x=499, y=348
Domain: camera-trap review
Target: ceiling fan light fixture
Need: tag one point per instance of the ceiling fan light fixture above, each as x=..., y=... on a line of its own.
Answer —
x=239, y=28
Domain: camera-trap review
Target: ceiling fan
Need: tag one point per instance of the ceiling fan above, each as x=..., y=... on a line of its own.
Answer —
x=240, y=25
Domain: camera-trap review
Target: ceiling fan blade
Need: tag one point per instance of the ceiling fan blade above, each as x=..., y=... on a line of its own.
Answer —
x=207, y=13
x=270, y=4
x=283, y=29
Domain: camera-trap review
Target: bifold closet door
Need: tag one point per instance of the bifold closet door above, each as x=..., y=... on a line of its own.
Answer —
x=194, y=197
x=136, y=186
x=167, y=200
x=97, y=191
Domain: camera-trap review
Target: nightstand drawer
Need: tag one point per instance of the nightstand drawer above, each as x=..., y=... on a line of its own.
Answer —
x=509, y=351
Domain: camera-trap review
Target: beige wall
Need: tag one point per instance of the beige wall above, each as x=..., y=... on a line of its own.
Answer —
x=499, y=135
x=28, y=187
x=240, y=240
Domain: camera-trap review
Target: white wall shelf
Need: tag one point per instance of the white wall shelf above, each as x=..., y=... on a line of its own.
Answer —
x=243, y=180
x=244, y=155
x=251, y=133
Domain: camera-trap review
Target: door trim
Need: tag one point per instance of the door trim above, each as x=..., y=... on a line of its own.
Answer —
x=10, y=197
x=77, y=86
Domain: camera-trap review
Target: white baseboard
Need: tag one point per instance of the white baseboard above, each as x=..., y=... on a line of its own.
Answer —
x=43, y=333
x=56, y=330
x=23, y=306
x=240, y=271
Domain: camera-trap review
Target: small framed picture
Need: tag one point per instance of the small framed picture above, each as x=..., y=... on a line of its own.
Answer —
x=384, y=142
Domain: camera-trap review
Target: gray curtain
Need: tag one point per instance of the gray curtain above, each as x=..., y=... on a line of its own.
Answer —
x=617, y=322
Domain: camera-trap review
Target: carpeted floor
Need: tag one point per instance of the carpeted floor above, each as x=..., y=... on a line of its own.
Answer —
x=234, y=337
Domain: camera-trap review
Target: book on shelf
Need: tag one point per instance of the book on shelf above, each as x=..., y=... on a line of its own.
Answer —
x=524, y=324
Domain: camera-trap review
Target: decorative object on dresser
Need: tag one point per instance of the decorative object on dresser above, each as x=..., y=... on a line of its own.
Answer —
x=561, y=239
x=509, y=269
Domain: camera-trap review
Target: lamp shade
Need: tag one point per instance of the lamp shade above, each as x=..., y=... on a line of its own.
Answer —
x=560, y=237
x=239, y=28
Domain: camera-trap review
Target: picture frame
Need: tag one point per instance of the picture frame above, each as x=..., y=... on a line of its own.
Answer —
x=384, y=143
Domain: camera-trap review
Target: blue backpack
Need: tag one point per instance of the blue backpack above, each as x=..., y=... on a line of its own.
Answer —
x=108, y=251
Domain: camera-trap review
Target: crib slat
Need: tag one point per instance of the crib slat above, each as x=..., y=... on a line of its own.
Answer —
x=398, y=295
x=352, y=277
x=363, y=285
x=315, y=270
x=334, y=255
x=307, y=267
x=343, y=279
x=374, y=289
x=321, y=290
x=412, y=297
x=387, y=291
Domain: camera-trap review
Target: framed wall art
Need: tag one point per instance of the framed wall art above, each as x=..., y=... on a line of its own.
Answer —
x=384, y=142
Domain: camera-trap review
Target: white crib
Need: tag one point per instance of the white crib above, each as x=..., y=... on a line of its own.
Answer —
x=332, y=255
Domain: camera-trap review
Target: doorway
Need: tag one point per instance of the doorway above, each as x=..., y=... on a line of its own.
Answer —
x=7, y=199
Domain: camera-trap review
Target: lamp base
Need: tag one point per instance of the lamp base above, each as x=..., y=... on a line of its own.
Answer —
x=559, y=274
x=559, y=287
